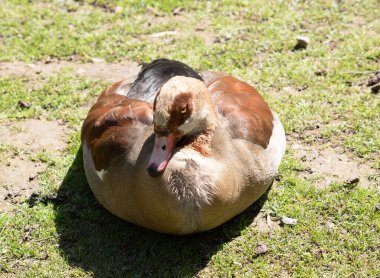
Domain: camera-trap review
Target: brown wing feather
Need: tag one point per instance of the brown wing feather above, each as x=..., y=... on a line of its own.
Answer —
x=113, y=125
x=248, y=115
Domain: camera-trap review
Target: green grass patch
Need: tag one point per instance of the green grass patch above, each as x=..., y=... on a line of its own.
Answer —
x=64, y=97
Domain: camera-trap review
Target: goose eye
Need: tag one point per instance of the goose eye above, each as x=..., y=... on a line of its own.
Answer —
x=184, y=109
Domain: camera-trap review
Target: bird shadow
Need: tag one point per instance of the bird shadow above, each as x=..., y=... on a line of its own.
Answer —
x=93, y=239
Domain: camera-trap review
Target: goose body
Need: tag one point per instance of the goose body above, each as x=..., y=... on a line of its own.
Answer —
x=179, y=151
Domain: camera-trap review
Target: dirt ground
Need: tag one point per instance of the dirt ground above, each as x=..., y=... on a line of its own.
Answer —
x=324, y=165
x=97, y=70
x=19, y=172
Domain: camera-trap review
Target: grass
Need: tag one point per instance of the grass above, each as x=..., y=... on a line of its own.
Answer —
x=63, y=232
x=61, y=97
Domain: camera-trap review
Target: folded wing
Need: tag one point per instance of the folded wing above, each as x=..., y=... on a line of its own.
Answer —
x=241, y=108
x=113, y=125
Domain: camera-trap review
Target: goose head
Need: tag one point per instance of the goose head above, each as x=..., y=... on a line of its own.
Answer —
x=183, y=107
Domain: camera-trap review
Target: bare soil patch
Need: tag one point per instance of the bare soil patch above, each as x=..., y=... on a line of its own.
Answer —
x=98, y=70
x=18, y=179
x=325, y=165
x=265, y=224
x=18, y=173
x=34, y=134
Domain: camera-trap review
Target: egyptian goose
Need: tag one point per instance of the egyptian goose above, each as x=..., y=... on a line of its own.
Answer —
x=178, y=151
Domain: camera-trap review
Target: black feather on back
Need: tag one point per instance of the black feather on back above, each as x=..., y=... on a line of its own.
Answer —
x=154, y=75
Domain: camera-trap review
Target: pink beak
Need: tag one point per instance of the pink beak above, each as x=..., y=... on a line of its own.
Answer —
x=161, y=154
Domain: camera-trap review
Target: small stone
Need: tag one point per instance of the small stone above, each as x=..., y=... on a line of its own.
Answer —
x=97, y=60
x=23, y=104
x=288, y=221
x=374, y=79
x=261, y=248
x=374, y=82
x=318, y=253
x=329, y=225
x=321, y=72
x=269, y=221
x=375, y=88
x=229, y=36
x=343, y=231
x=44, y=255
x=351, y=184
x=302, y=42
x=48, y=60
x=296, y=147
x=290, y=90
x=163, y=34
x=177, y=11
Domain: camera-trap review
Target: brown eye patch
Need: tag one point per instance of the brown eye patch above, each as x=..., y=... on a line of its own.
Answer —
x=180, y=111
